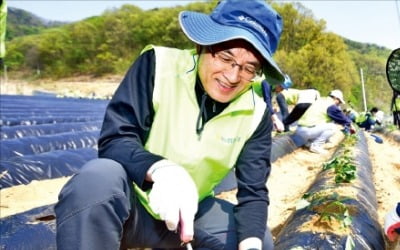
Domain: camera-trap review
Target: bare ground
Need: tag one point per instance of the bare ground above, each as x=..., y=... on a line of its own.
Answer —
x=293, y=174
x=84, y=86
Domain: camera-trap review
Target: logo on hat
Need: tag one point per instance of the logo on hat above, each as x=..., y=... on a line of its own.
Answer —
x=253, y=23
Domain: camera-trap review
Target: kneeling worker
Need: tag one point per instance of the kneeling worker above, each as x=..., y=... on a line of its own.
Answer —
x=317, y=124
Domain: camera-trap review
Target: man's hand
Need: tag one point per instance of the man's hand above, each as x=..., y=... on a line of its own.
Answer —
x=349, y=130
x=277, y=123
x=174, y=197
x=392, y=223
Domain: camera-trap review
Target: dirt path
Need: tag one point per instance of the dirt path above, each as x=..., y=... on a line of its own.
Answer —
x=385, y=159
x=22, y=198
x=290, y=178
x=82, y=87
x=293, y=174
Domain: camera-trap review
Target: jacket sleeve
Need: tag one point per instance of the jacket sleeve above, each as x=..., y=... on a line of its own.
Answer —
x=128, y=118
x=252, y=170
x=267, y=95
x=336, y=114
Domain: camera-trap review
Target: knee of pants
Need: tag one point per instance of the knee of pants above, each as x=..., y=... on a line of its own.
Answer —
x=98, y=180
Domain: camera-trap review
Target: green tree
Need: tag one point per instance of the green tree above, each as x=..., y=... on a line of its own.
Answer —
x=300, y=26
x=109, y=43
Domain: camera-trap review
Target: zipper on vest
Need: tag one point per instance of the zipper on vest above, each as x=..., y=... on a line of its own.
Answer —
x=200, y=120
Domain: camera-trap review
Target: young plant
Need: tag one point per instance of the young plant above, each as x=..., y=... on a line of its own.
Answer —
x=334, y=210
x=329, y=207
x=350, y=140
x=345, y=169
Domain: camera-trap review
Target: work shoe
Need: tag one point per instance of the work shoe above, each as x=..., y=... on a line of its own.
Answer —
x=318, y=150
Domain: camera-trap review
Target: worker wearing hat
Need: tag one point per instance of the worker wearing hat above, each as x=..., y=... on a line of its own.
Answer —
x=268, y=92
x=300, y=99
x=179, y=122
x=318, y=123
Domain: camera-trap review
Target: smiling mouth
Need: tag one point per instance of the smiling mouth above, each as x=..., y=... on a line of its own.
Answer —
x=226, y=86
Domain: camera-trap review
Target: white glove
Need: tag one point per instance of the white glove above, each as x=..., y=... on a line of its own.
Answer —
x=174, y=197
x=250, y=243
x=392, y=222
x=277, y=123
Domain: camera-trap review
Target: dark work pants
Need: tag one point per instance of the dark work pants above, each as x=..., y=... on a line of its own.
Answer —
x=98, y=209
x=396, y=118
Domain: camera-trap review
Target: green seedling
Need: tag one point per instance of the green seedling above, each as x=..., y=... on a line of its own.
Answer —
x=343, y=166
x=329, y=207
x=350, y=140
x=334, y=210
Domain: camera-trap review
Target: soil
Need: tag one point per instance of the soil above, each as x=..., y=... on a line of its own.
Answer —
x=290, y=178
x=83, y=86
x=299, y=169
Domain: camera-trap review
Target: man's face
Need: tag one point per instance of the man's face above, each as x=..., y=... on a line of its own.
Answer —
x=226, y=69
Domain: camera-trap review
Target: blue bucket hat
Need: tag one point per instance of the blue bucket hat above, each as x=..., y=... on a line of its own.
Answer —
x=252, y=20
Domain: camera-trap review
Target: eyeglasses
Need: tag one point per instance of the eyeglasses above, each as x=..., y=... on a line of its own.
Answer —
x=247, y=72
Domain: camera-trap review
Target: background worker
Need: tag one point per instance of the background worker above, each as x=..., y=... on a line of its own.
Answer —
x=317, y=124
x=367, y=120
x=268, y=92
x=301, y=99
x=177, y=124
x=351, y=113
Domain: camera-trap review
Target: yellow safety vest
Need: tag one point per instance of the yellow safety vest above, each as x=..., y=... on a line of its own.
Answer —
x=396, y=106
x=316, y=113
x=207, y=158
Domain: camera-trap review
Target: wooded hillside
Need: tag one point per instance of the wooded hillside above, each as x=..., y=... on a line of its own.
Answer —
x=108, y=44
x=22, y=23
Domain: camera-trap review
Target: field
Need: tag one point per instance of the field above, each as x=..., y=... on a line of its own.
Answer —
x=294, y=173
x=83, y=86
x=291, y=176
